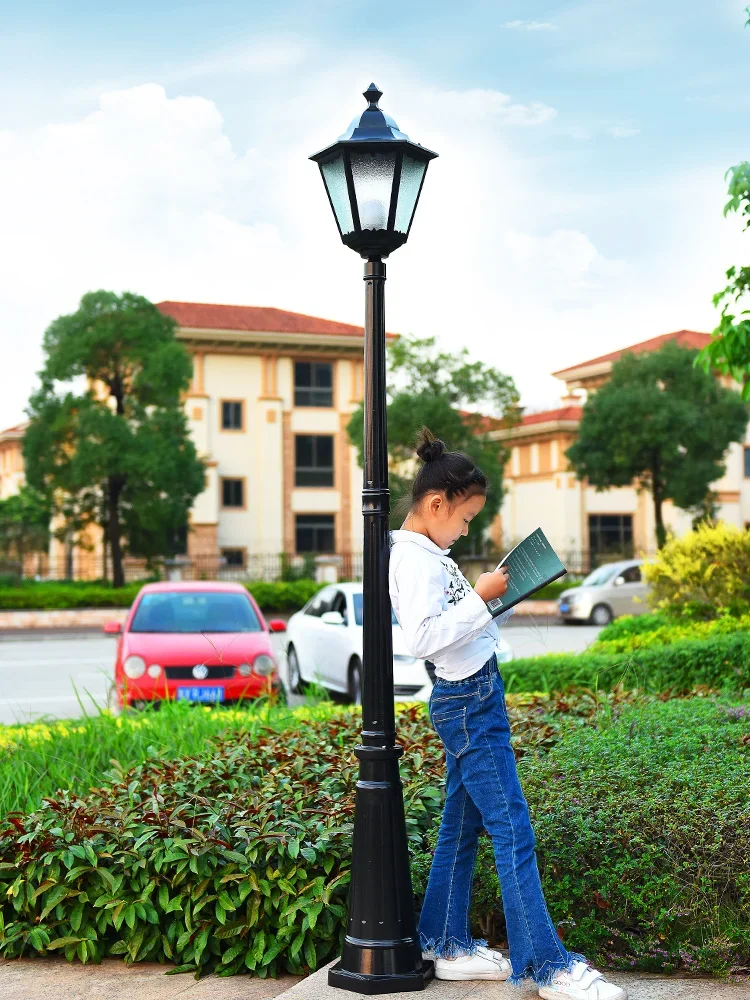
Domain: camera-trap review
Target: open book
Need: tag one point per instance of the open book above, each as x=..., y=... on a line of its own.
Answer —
x=532, y=564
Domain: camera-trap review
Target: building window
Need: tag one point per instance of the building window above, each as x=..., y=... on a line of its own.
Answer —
x=232, y=492
x=234, y=558
x=232, y=415
x=313, y=383
x=313, y=455
x=611, y=534
x=315, y=533
x=747, y=463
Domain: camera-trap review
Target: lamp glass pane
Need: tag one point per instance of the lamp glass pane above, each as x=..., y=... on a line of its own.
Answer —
x=334, y=176
x=412, y=172
x=373, y=180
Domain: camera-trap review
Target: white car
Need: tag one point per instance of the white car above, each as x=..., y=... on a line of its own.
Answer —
x=324, y=645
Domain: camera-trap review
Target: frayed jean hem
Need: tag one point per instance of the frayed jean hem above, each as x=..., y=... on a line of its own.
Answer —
x=547, y=972
x=449, y=947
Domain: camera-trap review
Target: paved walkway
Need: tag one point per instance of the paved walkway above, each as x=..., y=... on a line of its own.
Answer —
x=56, y=979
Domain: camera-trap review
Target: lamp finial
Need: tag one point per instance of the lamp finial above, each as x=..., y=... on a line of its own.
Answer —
x=373, y=95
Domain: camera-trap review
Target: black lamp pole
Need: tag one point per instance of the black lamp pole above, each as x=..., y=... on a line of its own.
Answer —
x=373, y=176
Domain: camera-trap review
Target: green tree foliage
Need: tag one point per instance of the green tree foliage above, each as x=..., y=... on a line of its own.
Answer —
x=429, y=387
x=729, y=351
x=662, y=423
x=24, y=523
x=117, y=453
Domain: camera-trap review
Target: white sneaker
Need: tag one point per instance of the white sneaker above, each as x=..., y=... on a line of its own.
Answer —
x=483, y=964
x=582, y=983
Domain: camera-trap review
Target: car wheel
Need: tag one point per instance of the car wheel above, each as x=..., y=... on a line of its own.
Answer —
x=294, y=677
x=355, y=681
x=113, y=701
x=601, y=615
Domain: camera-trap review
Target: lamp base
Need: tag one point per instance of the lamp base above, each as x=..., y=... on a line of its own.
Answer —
x=356, y=982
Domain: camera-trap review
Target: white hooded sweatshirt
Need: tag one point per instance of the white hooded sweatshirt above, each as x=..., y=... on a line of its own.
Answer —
x=442, y=617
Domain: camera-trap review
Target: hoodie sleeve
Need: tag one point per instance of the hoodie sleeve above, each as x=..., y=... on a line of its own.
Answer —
x=427, y=628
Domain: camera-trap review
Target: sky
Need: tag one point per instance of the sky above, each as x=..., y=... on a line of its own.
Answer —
x=575, y=207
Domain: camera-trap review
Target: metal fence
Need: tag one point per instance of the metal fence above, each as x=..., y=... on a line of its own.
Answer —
x=81, y=565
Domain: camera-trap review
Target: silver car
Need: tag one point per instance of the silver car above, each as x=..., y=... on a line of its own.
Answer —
x=611, y=590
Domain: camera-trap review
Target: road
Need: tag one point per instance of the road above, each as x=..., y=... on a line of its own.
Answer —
x=63, y=674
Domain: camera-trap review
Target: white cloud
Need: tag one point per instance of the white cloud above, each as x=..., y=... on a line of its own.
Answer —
x=622, y=132
x=530, y=25
x=148, y=192
x=479, y=103
x=565, y=263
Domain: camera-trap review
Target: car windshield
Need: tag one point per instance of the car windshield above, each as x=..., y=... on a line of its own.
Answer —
x=195, y=611
x=357, y=598
x=600, y=576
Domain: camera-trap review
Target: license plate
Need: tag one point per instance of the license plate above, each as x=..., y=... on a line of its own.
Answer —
x=210, y=694
x=565, y=608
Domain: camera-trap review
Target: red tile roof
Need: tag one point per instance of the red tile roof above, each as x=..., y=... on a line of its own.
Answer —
x=19, y=428
x=485, y=423
x=202, y=315
x=564, y=413
x=685, y=338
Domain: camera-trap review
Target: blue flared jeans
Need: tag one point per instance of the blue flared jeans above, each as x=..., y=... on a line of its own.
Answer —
x=483, y=792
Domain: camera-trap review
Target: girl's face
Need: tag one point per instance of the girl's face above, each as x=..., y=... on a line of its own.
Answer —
x=443, y=522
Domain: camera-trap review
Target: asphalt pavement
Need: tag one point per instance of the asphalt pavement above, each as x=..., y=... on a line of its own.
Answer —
x=66, y=674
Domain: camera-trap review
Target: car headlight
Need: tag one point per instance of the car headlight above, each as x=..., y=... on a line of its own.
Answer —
x=244, y=670
x=134, y=666
x=264, y=665
x=401, y=658
x=153, y=670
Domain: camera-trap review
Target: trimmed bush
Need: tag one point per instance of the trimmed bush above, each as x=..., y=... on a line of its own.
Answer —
x=666, y=630
x=553, y=590
x=705, y=571
x=53, y=595
x=232, y=860
x=643, y=839
x=719, y=661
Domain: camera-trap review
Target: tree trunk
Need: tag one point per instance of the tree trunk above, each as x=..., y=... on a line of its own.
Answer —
x=115, y=486
x=661, y=531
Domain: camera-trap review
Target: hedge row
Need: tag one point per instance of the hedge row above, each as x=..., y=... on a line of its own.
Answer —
x=664, y=630
x=238, y=859
x=643, y=840
x=719, y=661
x=279, y=596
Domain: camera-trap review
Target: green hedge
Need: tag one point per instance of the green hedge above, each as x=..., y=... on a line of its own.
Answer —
x=238, y=858
x=52, y=596
x=643, y=839
x=719, y=661
x=553, y=590
x=664, y=631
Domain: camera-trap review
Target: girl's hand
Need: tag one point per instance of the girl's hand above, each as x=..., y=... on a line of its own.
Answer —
x=492, y=585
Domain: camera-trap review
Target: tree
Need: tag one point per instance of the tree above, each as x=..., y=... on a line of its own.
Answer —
x=118, y=453
x=729, y=351
x=430, y=387
x=24, y=523
x=662, y=423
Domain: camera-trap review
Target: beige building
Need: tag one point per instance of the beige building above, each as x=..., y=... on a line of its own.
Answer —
x=579, y=521
x=11, y=460
x=271, y=395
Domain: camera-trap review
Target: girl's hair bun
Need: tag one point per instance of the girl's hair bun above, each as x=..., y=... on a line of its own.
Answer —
x=429, y=448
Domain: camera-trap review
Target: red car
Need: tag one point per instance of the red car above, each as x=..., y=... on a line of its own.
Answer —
x=198, y=641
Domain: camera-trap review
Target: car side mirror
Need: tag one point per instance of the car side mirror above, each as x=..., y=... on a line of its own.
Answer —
x=619, y=581
x=277, y=625
x=112, y=628
x=332, y=618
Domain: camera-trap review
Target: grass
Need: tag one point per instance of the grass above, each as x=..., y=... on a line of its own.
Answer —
x=41, y=757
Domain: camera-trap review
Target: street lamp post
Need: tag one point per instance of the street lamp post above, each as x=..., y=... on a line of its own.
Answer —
x=373, y=175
